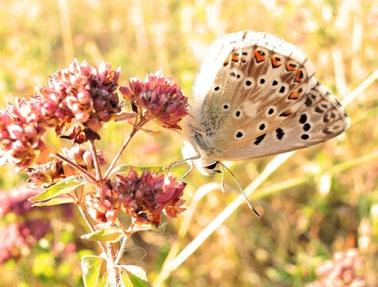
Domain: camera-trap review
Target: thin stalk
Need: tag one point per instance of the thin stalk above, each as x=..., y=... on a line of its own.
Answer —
x=136, y=127
x=121, y=250
x=89, y=224
x=77, y=167
x=96, y=161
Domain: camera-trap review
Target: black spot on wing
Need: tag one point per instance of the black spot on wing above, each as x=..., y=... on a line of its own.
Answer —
x=259, y=139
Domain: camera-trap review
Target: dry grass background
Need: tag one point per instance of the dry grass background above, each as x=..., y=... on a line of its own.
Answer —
x=314, y=202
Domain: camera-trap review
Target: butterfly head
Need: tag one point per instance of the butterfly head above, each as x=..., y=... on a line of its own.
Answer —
x=201, y=161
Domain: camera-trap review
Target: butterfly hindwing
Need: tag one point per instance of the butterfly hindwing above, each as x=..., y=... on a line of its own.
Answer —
x=311, y=124
x=255, y=98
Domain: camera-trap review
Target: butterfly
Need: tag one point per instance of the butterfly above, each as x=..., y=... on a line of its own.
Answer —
x=257, y=95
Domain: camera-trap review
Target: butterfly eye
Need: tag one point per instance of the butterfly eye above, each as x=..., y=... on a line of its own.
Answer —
x=239, y=134
x=212, y=166
x=216, y=88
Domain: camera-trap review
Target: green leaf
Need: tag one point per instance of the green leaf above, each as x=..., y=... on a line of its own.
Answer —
x=136, y=275
x=139, y=169
x=62, y=187
x=111, y=234
x=126, y=280
x=102, y=282
x=91, y=267
x=55, y=201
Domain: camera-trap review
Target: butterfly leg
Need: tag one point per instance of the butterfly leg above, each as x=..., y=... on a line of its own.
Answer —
x=183, y=161
x=187, y=172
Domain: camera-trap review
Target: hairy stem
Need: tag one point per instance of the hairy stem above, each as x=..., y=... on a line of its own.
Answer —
x=96, y=161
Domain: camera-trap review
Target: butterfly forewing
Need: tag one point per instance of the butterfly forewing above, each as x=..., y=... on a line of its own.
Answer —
x=261, y=98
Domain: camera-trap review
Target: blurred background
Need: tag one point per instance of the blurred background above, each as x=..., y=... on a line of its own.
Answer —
x=320, y=202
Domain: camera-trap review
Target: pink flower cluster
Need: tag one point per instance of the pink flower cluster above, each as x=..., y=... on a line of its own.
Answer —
x=17, y=239
x=159, y=98
x=144, y=197
x=80, y=98
x=82, y=93
x=345, y=269
x=103, y=207
x=20, y=133
x=16, y=200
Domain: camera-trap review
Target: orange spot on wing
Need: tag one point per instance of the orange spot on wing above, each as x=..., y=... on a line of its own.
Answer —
x=299, y=76
x=276, y=61
x=259, y=55
x=294, y=95
x=235, y=57
x=290, y=66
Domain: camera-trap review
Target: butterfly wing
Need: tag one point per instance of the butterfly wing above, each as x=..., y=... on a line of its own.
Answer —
x=261, y=99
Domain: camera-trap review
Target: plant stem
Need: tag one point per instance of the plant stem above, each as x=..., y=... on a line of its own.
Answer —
x=89, y=224
x=114, y=275
x=95, y=160
x=136, y=127
x=77, y=167
x=121, y=250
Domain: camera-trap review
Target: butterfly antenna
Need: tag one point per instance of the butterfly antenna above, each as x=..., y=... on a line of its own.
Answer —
x=240, y=188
